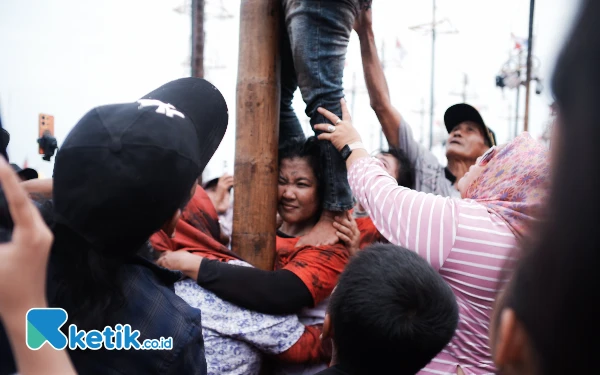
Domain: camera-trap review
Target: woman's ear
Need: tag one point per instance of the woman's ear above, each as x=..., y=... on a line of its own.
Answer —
x=169, y=226
x=511, y=346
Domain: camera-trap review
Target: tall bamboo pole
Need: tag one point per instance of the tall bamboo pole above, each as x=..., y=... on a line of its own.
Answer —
x=257, y=133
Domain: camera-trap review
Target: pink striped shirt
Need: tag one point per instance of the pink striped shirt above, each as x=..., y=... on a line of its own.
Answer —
x=469, y=246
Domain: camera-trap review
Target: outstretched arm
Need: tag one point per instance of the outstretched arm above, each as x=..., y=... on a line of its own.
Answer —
x=268, y=292
x=424, y=223
x=377, y=86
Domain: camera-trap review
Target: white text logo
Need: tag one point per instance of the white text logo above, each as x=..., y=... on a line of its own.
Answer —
x=163, y=108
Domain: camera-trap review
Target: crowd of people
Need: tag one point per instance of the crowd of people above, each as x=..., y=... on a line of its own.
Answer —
x=387, y=263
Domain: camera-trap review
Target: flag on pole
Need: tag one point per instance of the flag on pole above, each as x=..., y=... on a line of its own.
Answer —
x=520, y=43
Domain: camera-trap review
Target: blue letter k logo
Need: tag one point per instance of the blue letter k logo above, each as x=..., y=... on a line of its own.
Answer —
x=44, y=325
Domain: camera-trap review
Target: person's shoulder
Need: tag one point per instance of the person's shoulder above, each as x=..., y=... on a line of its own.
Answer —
x=326, y=253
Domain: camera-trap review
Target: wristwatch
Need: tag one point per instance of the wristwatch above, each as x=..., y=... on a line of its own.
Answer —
x=347, y=149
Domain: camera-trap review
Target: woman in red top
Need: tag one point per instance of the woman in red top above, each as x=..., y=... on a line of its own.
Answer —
x=303, y=277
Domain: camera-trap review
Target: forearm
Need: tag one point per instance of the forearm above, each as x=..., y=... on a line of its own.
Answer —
x=268, y=292
x=44, y=360
x=424, y=223
x=38, y=189
x=377, y=87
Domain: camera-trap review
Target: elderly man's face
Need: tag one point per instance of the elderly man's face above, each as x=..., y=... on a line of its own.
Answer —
x=466, y=141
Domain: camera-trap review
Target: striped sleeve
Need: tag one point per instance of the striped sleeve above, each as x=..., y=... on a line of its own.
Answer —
x=424, y=223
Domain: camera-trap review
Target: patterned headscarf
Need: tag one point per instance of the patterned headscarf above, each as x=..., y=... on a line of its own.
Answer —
x=515, y=183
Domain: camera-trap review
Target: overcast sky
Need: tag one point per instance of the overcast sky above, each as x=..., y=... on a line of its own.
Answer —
x=63, y=57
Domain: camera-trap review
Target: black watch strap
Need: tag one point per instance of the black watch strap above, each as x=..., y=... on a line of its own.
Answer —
x=345, y=151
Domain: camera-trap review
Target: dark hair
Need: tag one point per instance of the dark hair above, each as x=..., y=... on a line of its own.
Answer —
x=406, y=171
x=212, y=184
x=297, y=147
x=553, y=293
x=83, y=280
x=87, y=281
x=391, y=310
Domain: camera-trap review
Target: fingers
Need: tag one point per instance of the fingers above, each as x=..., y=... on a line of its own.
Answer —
x=322, y=127
x=345, y=239
x=345, y=112
x=324, y=136
x=162, y=260
x=226, y=180
x=343, y=228
x=21, y=209
x=343, y=220
x=353, y=223
x=351, y=220
x=328, y=115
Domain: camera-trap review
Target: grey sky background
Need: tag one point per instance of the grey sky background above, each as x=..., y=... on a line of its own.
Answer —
x=64, y=57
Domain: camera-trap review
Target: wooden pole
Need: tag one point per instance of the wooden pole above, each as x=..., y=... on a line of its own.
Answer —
x=198, y=38
x=528, y=80
x=257, y=133
x=197, y=63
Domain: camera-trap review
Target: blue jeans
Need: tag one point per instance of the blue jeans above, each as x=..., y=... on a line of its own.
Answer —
x=313, y=54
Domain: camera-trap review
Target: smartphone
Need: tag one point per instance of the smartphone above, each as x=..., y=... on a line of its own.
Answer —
x=45, y=125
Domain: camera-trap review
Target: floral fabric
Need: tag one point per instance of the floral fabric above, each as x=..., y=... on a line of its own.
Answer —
x=515, y=183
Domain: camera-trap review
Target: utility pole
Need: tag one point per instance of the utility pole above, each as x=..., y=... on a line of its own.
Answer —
x=509, y=117
x=431, y=98
x=198, y=38
x=432, y=27
x=529, y=56
x=518, y=94
x=422, y=112
x=382, y=68
x=464, y=92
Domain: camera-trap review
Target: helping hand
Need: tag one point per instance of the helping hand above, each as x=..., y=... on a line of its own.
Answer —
x=183, y=261
x=340, y=134
x=347, y=231
x=363, y=21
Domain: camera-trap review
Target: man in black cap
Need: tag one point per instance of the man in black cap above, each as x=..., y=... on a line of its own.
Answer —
x=124, y=172
x=469, y=136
